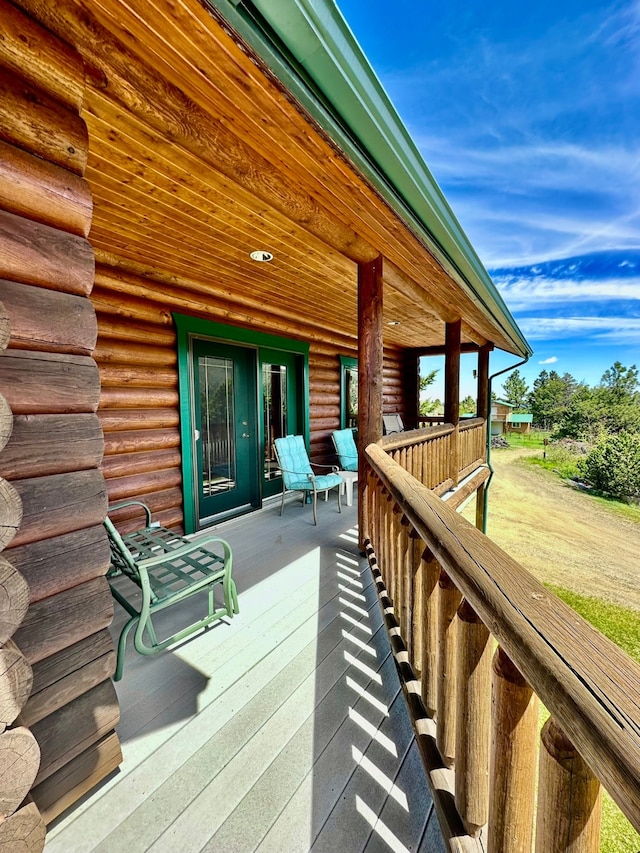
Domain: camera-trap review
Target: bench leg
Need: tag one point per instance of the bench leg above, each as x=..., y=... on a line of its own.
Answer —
x=122, y=647
x=230, y=596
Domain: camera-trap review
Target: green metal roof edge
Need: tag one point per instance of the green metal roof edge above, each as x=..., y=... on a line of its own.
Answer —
x=310, y=48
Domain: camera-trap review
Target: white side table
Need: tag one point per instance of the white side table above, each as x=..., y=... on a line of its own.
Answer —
x=348, y=479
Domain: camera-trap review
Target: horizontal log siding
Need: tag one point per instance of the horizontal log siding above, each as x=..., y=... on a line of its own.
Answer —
x=137, y=360
x=324, y=399
x=136, y=353
x=399, y=386
x=51, y=382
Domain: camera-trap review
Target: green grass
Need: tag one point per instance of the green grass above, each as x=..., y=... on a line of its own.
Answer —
x=623, y=627
x=564, y=463
x=535, y=438
x=628, y=511
x=557, y=459
x=618, y=623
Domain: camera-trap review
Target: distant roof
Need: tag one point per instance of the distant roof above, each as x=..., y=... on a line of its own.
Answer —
x=516, y=418
x=309, y=46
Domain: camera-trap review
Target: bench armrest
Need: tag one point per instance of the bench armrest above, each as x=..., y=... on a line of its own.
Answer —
x=185, y=550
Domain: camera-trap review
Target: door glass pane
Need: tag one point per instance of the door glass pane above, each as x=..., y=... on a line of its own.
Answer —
x=274, y=384
x=352, y=397
x=217, y=420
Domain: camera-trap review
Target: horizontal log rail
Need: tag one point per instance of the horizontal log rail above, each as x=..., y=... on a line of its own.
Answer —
x=431, y=420
x=449, y=594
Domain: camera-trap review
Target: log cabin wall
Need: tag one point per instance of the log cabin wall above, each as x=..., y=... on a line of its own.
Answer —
x=19, y=750
x=139, y=407
x=50, y=381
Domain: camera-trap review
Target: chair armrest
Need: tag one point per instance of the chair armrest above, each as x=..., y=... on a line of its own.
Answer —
x=291, y=471
x=334, y=468
x=123, y=504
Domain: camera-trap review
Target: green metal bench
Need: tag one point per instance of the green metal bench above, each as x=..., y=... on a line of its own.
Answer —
x=167, y=568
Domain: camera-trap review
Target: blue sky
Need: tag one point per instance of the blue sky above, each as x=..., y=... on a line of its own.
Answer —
x=528, y=116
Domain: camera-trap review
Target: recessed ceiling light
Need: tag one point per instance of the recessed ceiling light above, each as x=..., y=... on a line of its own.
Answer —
x=261, y=256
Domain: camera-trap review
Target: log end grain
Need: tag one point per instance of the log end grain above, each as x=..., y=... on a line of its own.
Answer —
x=10, y=513
x=23, y=832
x=14, y=599
x=16, y=681
x=19, y=764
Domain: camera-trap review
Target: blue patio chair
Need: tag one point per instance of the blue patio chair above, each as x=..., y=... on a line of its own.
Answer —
x=346, y=449
x=297, y=473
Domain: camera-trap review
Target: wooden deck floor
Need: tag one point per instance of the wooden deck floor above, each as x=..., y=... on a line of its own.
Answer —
x=283, y=729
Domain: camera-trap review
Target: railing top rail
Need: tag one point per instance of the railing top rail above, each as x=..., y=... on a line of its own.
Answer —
x=589, y=684
x=414, y=436
x=470, y=423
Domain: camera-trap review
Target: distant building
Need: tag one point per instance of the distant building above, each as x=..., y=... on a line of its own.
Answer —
x=504, y=419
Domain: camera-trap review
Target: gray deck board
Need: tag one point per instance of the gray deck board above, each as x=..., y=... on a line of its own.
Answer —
x=270, y=731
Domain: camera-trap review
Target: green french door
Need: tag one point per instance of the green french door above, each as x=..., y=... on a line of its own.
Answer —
x=226, y=434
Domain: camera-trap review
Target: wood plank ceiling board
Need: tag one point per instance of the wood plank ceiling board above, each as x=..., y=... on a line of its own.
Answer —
x=199, y=155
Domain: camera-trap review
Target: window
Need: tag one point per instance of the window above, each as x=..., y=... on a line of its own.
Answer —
x=348, y=392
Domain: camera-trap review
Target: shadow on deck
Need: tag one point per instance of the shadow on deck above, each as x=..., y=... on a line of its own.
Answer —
x=284, y=729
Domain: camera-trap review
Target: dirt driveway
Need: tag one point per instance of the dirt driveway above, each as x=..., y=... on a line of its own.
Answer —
x=559, y=534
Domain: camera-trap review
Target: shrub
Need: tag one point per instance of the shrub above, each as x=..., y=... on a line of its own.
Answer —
x=613, y=466
x=557, y=458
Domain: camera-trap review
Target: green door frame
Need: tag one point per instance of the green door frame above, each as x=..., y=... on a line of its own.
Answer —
x=346, y=363
x=190, y=327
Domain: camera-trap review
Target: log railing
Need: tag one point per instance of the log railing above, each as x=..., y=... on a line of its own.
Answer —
x=449, y=595
x=431, y=420
x=439, y=456
x=425, y=453
x=472, y=441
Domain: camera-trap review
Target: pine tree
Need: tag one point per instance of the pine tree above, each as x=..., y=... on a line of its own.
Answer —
x=516, y=390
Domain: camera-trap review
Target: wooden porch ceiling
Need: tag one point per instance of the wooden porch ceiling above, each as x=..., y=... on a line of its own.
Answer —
x=198, y=156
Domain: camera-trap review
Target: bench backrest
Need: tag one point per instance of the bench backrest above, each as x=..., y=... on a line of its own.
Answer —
x=121, y=557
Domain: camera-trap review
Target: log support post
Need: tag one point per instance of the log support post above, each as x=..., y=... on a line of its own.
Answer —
x=569, y=797
x=450, y=599
x=514, y=740
x=452, y=392
x=406, y=581
x=430, y=573
x=370, y=353
x=483, y=411
x=387, y=543
x=473, y=719
x=415, y=639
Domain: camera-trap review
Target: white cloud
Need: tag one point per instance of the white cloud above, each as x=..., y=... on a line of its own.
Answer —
x=551, y=360
x=598, y=330
x=527, y=293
